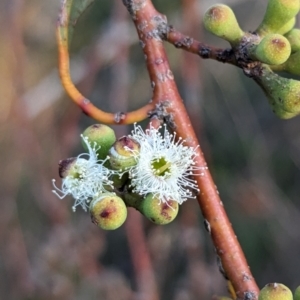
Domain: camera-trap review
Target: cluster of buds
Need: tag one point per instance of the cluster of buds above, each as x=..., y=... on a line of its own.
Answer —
x=272, y=291
x=274, y=46
x=150, y=171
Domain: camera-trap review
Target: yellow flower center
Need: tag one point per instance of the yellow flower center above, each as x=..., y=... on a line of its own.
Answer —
x=160, y=166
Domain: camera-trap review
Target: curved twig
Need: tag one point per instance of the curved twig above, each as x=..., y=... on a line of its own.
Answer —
x=85, y=104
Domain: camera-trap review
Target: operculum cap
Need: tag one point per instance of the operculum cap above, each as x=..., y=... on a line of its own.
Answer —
x=159, y=212
x=221, y=21
x=123, y=153
x=275, y=291
x=108, y=211
x=65, y=167
x=101, y=137
x=273, y=49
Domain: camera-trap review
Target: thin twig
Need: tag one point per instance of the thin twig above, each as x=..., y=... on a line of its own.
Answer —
x=189, y=44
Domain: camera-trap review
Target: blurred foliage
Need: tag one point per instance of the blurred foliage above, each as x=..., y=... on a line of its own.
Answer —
x=48, y=252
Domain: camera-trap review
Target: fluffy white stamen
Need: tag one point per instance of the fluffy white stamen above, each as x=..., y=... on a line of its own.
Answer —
x=87, y=179
x=164, y=166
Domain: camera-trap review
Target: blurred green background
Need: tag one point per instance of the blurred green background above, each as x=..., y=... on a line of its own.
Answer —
x=49, y=252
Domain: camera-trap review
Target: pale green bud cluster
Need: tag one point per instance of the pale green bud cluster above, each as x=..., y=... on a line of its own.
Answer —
x=148, y=171
x=274, y=46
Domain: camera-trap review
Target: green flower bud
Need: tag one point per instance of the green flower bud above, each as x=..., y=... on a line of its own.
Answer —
x=66, y=167
x=284, y=114
x=221, y=21
x=283, y=93
x=123, y=153
x=101, y=137
x=292, y=65
x=108, y=211
x=287, y=27
x=293, y=37
x=275, y=291
x=273, y=49
x=297, y=293
x=158, y=212
x=278, y=14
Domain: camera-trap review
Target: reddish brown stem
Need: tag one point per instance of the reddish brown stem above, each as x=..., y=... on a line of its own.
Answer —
x=151, y=27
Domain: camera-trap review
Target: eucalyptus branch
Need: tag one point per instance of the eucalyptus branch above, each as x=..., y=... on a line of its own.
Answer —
x=152, y=27
x=134, y=171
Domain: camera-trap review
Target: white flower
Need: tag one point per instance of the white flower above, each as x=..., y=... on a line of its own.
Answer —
x=86, y=178
x=164, y=166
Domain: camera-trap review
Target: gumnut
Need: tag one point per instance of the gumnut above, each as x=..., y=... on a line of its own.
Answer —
x=123, y=153
x=108, y=211
x=101, y=137
x=278, y=14
x=275, y=291
x=158, y=212
x=273, y=49
x=221, y=21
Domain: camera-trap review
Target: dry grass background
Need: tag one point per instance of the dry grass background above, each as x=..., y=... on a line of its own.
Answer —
x=48, y=252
